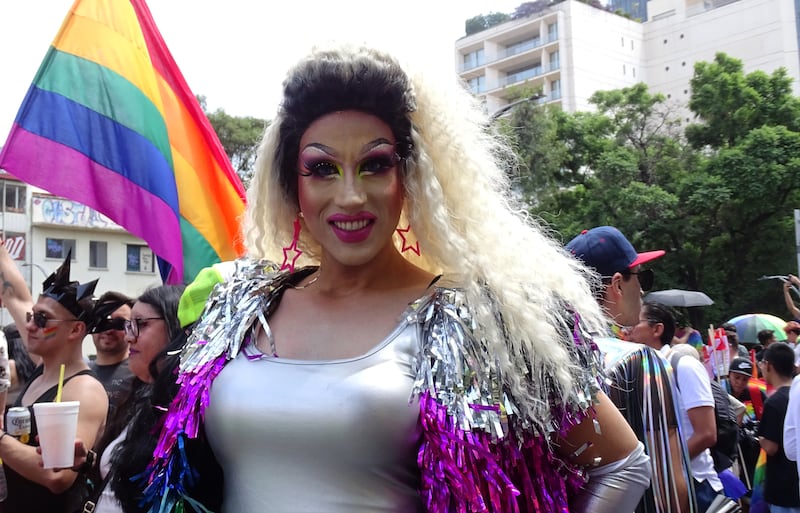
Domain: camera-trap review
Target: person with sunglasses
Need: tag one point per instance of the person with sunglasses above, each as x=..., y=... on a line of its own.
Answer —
x=157, y=329
x=54, y=327
x=111, y=364
x=642, y=382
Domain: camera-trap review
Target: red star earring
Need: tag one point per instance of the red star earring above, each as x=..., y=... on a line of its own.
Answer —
x=402, y=232
x=288, y=260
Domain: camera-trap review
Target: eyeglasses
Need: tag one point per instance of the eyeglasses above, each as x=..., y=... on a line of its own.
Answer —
x=110, y=323
x=646, y=278
x=133, y=326
x=40, y=319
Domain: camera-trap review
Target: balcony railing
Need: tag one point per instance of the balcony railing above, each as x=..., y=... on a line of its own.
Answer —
x=512, y=50
x=528, y=73
x=472, y=64
x=521, y=47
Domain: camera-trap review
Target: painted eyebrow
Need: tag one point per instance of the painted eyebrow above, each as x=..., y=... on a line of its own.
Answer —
x=364, y=149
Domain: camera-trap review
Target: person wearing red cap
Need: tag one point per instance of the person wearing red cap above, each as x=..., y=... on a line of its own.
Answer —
x=642, y=388
x=607, y=250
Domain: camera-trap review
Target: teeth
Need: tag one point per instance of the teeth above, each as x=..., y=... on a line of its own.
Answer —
x=351, y=226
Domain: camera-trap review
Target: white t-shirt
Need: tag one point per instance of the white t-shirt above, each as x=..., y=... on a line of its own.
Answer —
x=791, y=425
x=108, y=503
x=694, y=391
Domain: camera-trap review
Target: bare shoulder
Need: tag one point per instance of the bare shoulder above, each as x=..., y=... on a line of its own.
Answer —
x=85, y=388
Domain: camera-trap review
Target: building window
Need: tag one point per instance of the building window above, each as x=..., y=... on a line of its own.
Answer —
x=554, y=60
x=474, y=59
x=555, y=89
x=477, y=84
x=624, y=70
x=623, y=40
x=58, y=248
x=98, y=254
x=552, y=31
x=631, y=44
x=13, y=197
x=140, y=259
x=633, y=70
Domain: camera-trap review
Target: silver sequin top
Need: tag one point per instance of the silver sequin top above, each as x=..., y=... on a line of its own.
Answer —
x=319, y=436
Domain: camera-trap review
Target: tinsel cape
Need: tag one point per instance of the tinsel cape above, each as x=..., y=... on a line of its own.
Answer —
x=478, y=452
x=642, y=387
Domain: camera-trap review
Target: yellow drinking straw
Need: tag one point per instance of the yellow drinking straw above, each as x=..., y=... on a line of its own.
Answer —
x=60, y=383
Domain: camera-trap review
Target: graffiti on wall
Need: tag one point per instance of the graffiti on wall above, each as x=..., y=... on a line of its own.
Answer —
x=15, y=244
x=64, y=212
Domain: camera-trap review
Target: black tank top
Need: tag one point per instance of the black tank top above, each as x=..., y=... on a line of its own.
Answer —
x=25, y=496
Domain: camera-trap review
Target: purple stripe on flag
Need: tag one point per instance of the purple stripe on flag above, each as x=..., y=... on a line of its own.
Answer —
x=68, y=173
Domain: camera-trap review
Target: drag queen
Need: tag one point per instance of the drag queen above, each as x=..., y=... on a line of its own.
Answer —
x=416, y=343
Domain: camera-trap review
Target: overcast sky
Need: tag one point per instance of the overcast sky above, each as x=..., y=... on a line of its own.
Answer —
x=236, y=52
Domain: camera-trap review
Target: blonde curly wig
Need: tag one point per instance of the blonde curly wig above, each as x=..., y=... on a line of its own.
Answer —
x=459, y=201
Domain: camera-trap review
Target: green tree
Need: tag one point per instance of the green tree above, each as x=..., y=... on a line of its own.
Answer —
x=482, y=22
x=730, y=103
x=724, y=216
x=239, y=137
x=533, y=130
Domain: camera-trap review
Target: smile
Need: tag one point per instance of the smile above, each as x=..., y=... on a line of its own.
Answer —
x=352, y=229
x=351, y=226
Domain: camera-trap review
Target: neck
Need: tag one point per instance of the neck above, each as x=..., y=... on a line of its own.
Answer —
x=52, y=368
x=655, y=344
x=106, y=358
x=388, y=270
x=780, y=381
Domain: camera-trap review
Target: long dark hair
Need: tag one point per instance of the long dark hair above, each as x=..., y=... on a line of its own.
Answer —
x=130, y=412
x=132, y=456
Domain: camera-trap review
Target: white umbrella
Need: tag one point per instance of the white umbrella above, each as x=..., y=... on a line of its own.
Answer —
x=679, y=297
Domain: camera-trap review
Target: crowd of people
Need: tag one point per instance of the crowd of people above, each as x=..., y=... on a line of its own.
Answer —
x=401, y=336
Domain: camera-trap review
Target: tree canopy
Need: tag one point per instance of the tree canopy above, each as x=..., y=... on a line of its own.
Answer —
x=718, y=197
x=239, y=137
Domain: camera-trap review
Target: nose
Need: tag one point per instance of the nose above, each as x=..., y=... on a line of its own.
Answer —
x=351, y=190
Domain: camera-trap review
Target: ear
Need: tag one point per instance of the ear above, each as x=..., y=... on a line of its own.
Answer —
x=78, y=330
x=658, y=329
x=616, y=285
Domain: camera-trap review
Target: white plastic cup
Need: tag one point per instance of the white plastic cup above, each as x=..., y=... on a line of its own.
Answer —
x=57, y=426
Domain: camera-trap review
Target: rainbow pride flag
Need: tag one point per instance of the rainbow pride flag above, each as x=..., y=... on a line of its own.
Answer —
x=110, y=122
x=757, y=502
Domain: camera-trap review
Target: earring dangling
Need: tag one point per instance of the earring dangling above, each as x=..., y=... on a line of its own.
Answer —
x=288, y=263
x=402, y=232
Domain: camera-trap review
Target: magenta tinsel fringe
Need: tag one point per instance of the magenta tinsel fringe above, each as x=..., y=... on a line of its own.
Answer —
x=465, y=472
x=187, y=409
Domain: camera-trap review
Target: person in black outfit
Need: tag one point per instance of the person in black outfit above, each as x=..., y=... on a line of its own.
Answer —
x=780, y=487
x=56, y=326
x=111, y=364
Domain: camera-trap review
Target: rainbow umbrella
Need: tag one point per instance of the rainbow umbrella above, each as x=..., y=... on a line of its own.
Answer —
x=748, y=326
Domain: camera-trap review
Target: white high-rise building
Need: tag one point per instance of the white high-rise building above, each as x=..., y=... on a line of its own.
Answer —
x=570, y=49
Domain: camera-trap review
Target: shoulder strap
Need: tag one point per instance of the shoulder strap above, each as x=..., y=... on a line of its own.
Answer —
x=755, y=398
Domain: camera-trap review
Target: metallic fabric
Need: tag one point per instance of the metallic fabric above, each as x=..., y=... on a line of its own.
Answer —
x=477, y=452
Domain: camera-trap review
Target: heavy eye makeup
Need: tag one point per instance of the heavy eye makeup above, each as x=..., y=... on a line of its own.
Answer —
x=324, y=166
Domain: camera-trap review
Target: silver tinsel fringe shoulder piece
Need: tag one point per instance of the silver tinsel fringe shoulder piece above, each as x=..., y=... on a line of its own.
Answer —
x=479, y=453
